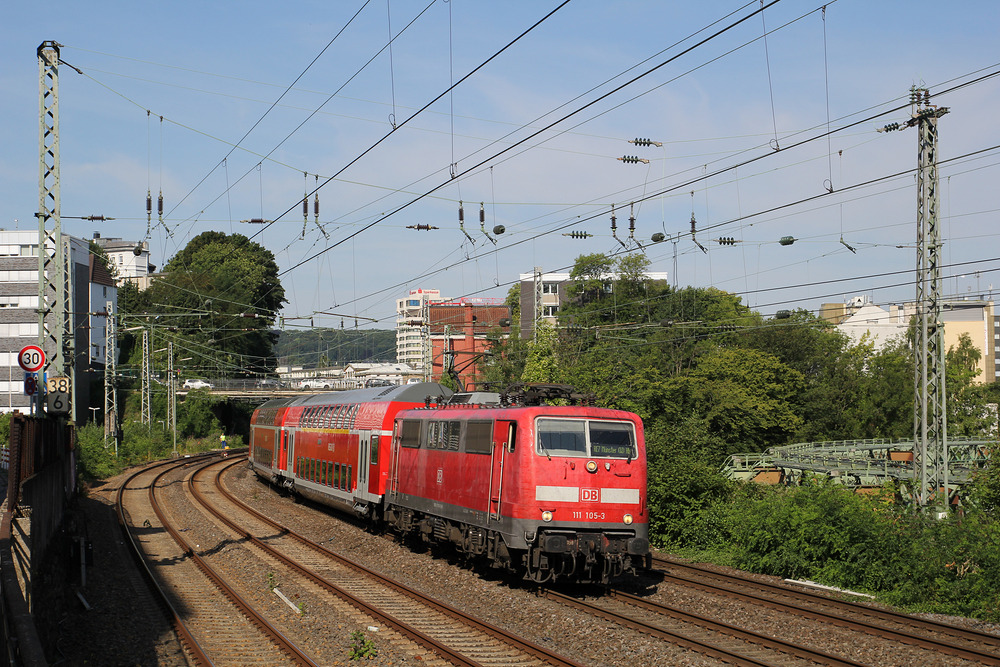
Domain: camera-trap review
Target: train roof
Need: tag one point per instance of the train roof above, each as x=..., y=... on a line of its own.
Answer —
x=406, y=393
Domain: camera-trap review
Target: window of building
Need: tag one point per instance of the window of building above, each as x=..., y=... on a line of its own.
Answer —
x=550, y=311
x=550, y=288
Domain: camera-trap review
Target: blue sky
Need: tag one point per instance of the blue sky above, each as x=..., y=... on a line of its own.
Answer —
x=212, y=71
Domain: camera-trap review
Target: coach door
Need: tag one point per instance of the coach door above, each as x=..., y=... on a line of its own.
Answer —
x=282, y=454
x=364, y=451
x=289, y=451
x=503, y=442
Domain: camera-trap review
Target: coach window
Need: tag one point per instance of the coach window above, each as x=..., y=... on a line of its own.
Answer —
x=409, y=433
x=352, y=415
x=374, y=458
x=479, y=437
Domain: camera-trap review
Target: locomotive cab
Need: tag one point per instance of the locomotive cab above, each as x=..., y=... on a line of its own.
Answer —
x=590, y=517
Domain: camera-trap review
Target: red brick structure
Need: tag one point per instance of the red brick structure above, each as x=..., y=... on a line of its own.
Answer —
x=460, y=328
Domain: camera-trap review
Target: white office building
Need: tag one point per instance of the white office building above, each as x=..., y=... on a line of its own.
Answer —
x=412, y=344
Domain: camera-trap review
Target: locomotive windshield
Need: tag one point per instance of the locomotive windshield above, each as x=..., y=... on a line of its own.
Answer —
x=585, y=437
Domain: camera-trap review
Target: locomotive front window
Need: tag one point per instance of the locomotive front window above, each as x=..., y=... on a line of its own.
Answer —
x=612, y=440
x=582, y=437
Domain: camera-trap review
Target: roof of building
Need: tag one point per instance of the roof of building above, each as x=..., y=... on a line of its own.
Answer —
x=99, y=273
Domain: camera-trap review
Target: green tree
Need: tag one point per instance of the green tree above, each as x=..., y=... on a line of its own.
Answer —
x=541, y=364
x=968, y=412
x=219, y=296
x=739, y=399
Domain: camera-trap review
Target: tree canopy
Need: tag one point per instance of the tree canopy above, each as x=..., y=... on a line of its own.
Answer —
x=217, y=300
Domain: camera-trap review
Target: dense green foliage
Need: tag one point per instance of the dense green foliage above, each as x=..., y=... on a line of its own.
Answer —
x=201, y=419
x=710, y=378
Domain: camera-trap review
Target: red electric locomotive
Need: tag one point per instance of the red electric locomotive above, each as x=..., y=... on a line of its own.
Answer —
x=556, y=492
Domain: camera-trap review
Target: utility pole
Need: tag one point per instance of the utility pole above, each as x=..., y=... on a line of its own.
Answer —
x=110, y=375
x=930, y=427
x=55, y=333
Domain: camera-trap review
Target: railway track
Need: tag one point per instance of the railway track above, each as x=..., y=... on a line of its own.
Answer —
x=208, y=625
x=937, y=637
x=319, y=580
x=453, y=635
x=727, y=643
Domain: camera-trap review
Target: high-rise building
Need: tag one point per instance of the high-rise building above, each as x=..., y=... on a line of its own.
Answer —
x=412, y=343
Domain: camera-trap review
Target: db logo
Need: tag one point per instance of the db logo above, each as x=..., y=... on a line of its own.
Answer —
x=590, y=495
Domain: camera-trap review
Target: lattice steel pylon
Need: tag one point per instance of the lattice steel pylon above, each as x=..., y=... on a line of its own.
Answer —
x=538, y=310
x=172, y=397
x=55, y=333
x=426, y=347
x=930, y=427
x=146, y=389
x=110, y=373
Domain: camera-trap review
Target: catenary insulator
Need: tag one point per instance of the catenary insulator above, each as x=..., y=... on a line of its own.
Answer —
x=159, y=205
x=149, y=203
x=482, y=214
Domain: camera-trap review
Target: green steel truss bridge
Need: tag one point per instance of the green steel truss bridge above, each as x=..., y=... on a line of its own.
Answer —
x=859, y=464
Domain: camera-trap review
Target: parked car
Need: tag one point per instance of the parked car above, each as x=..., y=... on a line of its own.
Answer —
x=316, y=383
x=268, y=383
x=195, y=383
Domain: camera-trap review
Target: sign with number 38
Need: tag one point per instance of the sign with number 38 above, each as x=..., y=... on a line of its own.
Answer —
x=57, y=395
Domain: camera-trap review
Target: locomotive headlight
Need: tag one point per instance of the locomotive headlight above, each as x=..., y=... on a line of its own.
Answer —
x=627, y=519
x=547, y=516
x=591, y=466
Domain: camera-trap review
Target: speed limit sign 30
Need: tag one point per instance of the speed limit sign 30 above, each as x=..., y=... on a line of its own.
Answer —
x=31, y=358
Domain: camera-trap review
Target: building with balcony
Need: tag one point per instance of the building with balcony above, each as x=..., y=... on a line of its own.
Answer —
x=412, y=344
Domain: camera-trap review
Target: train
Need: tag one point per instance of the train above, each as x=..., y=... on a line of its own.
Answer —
x=535, y=480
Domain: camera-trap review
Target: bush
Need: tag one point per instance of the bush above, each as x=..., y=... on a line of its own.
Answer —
x=822, y=530
x=94, y=460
